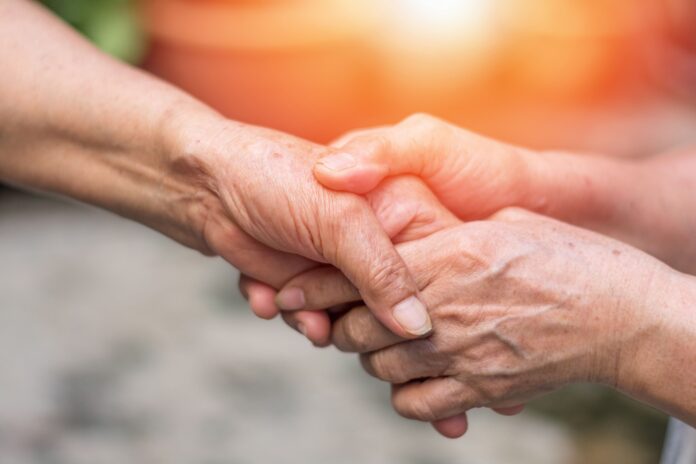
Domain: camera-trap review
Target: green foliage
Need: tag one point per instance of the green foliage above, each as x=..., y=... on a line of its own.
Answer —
x=112, y=25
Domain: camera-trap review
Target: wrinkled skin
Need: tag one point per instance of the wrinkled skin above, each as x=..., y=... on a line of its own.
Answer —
x=407, y=211
x=521, y=305
x=264, y=212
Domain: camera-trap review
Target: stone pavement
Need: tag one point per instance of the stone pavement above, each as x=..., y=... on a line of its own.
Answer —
x=120, y=346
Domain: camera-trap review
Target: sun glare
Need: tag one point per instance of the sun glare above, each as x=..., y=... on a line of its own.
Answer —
x=446, y=19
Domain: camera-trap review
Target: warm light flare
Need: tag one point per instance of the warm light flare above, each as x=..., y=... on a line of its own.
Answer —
x=444, y=20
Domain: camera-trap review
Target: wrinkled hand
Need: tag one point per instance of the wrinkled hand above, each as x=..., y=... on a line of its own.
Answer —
x=405, y=209
x=408, y=211
x=263, y=210
x=521, y=305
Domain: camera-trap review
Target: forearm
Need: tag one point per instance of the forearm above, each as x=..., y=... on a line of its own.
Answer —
x=661, y=371
x=77, y=123
x=647, y=203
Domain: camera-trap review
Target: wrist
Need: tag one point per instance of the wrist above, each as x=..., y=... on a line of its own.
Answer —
x=594, y=192
x=656, y=369
x=151, y=176
x=189, y=159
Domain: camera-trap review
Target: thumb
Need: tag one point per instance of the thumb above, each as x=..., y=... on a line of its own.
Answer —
x=365, y=160
x=366, y=256
x=356, y=244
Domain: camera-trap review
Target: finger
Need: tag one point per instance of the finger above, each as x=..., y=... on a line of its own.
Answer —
x=317, y=289
x=510, y=410
x=452, y=427
x=404, y=362
x=261, y=297
x=408, y=210
x=359, y=247
x=358, y=331
x=315, y=325
x=433, y=399
x=362, y=163
x=252, y=257
x=367, y=158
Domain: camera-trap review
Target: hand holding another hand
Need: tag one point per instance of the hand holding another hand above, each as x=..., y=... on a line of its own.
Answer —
x=521, y=305
x=261, y=208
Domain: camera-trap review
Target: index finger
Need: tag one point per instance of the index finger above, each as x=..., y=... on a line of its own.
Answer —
x=359, y=331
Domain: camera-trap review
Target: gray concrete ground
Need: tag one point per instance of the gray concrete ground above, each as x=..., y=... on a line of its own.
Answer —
x=119, y=346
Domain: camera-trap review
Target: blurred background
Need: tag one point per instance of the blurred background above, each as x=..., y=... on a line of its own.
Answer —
x=119, y=346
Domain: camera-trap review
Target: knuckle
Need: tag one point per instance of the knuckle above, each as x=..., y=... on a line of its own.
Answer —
x=388, y=277
x=419, y=408
x=491, y=391
x=385, y=369
x=353, y=335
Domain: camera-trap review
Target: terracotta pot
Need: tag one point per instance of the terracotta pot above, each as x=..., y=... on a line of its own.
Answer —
x=294, y=65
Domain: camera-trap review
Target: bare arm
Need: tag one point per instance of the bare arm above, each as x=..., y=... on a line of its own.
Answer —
x=75, y=122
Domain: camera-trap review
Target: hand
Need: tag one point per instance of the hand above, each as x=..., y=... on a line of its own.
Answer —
x=642, y=202
x=521, y=305
x=406, y=210
x=472, y=176
x=262, y=208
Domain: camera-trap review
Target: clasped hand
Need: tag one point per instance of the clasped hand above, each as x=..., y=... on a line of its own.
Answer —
x=521, y=304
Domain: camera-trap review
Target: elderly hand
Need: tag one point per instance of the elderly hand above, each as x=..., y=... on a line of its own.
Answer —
x=262, y=209
x=521, y=305
x=406, y=210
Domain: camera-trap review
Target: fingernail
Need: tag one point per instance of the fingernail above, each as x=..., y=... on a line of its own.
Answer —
x=302, y=329
x=290, y=299
x=412, y=316
x=338, y=162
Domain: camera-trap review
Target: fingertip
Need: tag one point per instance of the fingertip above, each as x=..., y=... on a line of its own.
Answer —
x=262, y=301
x=314, y=325
x=359, y=179
x=452, y=427
x=412, y=315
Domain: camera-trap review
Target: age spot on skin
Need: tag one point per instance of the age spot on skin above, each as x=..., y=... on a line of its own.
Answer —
x=616, y=253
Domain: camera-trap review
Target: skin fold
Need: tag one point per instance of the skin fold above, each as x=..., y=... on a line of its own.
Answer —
x=76, y=123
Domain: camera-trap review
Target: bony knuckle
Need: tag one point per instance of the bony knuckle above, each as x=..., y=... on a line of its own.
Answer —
x=354, y=335
x=389, y=276
x=386, y=369
x=421, y=409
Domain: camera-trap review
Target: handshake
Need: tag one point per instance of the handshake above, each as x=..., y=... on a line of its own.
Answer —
x=423, y=248
x=465, y=272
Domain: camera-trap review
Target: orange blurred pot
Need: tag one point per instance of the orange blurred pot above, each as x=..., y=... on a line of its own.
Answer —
x=294, y=65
